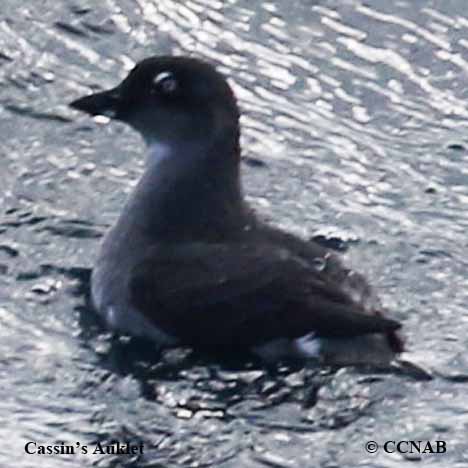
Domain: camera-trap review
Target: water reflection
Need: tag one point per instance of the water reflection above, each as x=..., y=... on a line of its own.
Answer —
x=354, y=130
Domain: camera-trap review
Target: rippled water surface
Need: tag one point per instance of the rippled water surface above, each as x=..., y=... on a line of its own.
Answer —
x=355, y=123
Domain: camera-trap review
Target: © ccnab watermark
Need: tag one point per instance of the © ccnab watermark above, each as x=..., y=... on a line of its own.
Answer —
x=407, y=446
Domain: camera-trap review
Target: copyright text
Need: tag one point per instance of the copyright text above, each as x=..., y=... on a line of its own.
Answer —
x=407, y=446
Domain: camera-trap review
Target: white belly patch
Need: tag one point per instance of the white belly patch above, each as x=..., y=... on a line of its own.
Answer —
x=306, y=347
x=134, y=323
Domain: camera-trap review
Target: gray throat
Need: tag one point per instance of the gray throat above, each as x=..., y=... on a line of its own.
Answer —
x=186, y=194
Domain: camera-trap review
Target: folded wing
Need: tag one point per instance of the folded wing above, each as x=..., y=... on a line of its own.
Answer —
x=241, y=295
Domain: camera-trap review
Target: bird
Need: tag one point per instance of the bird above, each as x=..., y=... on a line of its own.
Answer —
x=189, y=263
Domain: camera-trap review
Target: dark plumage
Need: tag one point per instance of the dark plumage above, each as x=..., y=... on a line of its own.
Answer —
x=188, y=261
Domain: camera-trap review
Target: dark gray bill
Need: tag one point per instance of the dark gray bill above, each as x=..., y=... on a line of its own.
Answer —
x=104, y=103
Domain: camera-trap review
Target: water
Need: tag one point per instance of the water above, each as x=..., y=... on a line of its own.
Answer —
x=354, y=128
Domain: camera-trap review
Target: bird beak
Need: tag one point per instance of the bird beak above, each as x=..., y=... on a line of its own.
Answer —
x=106, y=103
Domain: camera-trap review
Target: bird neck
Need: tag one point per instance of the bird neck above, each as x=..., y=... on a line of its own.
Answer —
x=189, y=191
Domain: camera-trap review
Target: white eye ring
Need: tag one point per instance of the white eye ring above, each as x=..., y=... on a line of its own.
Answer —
x=166, y=82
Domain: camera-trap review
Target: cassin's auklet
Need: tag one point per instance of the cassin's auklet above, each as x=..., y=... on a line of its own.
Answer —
x=189, y=263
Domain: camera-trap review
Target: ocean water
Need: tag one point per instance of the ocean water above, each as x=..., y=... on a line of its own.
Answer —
x=354, y=124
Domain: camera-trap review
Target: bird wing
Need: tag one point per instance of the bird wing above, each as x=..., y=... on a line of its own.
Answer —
x=238, y=295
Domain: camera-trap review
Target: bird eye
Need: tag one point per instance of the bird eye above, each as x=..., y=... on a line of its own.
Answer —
x=165, y=82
